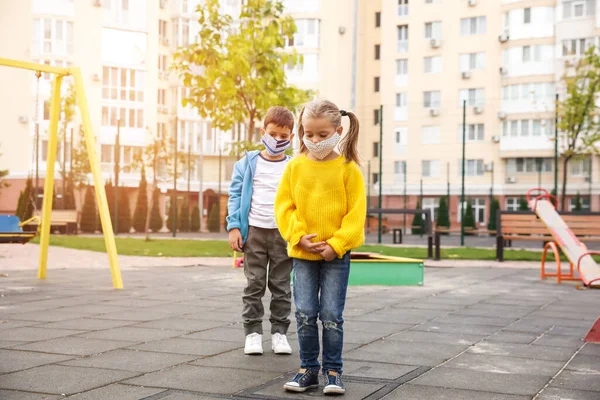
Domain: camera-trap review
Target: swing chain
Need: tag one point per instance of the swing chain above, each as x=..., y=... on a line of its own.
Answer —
x=35, y=148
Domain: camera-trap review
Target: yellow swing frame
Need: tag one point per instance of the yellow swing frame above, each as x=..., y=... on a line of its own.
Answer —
x=90, y=140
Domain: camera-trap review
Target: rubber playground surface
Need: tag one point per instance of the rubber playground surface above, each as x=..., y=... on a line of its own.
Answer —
x=174, y=332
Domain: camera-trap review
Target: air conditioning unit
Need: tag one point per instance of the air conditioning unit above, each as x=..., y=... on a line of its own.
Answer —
x=496, y=139
x=341, y=30
x=163, y=3
x=165, y=41
x=503, y=70
x=587, y=179
x=501, y=115
x=478, y=109
x=434, y=112
x=511, y=179
x=503, y=38
x=23, y=119
x=97, y=3
x=472, y=3
x=435, y=43
x=466, y=74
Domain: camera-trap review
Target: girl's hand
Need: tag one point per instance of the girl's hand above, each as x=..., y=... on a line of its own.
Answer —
x=306, y=244
x=235, y=240
x=328, y=253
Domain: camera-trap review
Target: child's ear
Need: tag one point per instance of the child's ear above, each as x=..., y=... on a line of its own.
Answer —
x=339, y=130
x=292, y=137
x=262, y=131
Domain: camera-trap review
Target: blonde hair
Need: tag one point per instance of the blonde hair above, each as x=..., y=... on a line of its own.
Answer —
x=327, y=110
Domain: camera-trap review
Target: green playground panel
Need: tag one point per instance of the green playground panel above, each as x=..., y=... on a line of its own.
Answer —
x=375, y=269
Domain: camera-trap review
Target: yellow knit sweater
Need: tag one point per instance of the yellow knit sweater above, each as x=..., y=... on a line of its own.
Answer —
x=326, y=198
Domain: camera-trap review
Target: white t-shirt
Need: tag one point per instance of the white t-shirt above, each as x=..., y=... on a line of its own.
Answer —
x=266, y=180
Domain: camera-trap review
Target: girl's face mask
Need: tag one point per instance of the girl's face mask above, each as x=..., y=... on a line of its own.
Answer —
x=323, y=148
x=275, y=147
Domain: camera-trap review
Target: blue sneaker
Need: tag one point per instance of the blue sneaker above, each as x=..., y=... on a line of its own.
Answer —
x=334, y=383
x=305, y=379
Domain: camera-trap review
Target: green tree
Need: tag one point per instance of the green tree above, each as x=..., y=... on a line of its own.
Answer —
x=554, y=200
x=470, y=216
x=21, y=205
x=184, y=216
x=156, y=220
x=417, y=223
x=110, y=199
x=28, y=199
x=171, y=224
x=494, y=207
x=577, y=202
x=80, y=164
x=68, y=108
x=213, y=219
x=69, y=195
x=195, y=223
x=523, y=205
x=578, y=111
x=443, y=220
x=141, y=207
x=124, y=211
x=89, y=223
x=235, y=73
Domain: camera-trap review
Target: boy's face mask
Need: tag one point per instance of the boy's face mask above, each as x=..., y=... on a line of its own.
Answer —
x=275, y=147
x=323, y=148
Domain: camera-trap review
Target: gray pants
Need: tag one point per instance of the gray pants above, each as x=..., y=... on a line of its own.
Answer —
x=266, y=247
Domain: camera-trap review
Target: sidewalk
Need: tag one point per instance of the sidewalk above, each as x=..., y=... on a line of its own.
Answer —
x=472, y=332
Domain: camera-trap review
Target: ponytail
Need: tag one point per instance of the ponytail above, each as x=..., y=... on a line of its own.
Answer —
x=303, y=148
x=349, y=144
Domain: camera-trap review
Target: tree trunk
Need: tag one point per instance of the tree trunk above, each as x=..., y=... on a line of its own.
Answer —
x=563, y=196
x=149, y=210
x=250, y=133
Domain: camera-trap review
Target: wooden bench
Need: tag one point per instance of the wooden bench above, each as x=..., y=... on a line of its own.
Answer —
x=65, y=221
x=526, y=226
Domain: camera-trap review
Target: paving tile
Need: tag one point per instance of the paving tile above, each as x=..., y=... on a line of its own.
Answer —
x=117, y=391
x=216, y=316
x=269, y=361
x=189, y=346
x=59, y=379
x=13, y=323
x=483, y=381
x=505, y=365
x=34, y=334
x=140, y=315
x=181, y=324
x=235, y=335
x=14, y=395
x=559, y=341
x=50, y=315
x=512, y=337
x=131, y=360
x=418, y=392
x=6, y=344
x=522, y=350
x=436, y=337
x=551, y=393
x=585, y=363
x=130, y=333
x=591, y=349
x=437, y=326
x=74, y=345
x=375, y=327
x=175, y=395
x=366, y=369
x=407, y=353
x=14, y=360
x=475, y=320
x=204, y=379
x=589, y=381
x=86, y=324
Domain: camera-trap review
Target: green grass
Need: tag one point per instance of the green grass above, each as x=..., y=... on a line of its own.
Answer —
x=220, y=248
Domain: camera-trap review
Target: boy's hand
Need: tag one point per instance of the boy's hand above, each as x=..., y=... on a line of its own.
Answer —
x=235, y=240
x=306, y=244
x=328, y=253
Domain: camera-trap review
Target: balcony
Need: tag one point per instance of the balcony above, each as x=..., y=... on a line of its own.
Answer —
x=526, y=144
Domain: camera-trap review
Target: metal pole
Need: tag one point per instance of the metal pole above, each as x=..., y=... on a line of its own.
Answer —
x=220, y=179
x=368, y=184
x=354, y=57
x=556, y=149
x=462, y=192
x=201, y=190
x=421, y=201
x=117, y=159
x=64, y=168
x=174, y=205
x=448, y=183
x=539, y=170
x=405, y=207
x=590, y=182
x=380, y=169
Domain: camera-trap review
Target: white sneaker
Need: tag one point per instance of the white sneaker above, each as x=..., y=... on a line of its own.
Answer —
x=253, y=344
x=280, y=345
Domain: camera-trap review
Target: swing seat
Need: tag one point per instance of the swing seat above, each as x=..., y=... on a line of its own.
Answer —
x=11, y=229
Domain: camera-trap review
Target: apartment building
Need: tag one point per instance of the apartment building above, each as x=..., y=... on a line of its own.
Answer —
x=125, y=48
x=505, y=59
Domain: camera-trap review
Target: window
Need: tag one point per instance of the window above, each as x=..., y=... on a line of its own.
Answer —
x=375, y=149
x=431, y=99
x=161, y=130
x=578, y=8
x=472, y=167
x=430, y=135
x=472, y=26
x=512, y=204
x=181, y=31
x=378, y=19
x=402, y=8
x=402, y=46
x=128, y=116
x=52, y=37
x=399, y=167
x=106, y=153
x=432, y=65
x=116, y=11
x=376, y=84
x=433, y=30
x=401, y=100
x=375, y=178
x=526, y=127
x=526, y=53
x=432, y=1
x=307, y=33
x=472, y=61
x=430, y=168
x=376, y=116
x=377, y=51
x=527, y=15
x=529, y=165
x=584, y=201
x=580, y=167
x=527, y=91
x=577, y=47
x=478, y=206
x=162, y=31
x=162, y=64
x=401, y=136
x=433, y=206
x=46, y=110
x=474, y=97
x=162, y=96
x=473, y=133
x=122, y=84
x=401, y=67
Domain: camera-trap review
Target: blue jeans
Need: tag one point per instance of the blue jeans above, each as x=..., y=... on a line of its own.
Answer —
x=320, y=291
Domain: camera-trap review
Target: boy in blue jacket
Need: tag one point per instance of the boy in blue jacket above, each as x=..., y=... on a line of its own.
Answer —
x=253, y=230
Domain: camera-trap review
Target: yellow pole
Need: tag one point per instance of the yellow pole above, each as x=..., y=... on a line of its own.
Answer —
x=90, y=140
x=49, y=181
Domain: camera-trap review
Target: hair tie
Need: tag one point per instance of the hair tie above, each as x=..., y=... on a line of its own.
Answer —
x=343, y=112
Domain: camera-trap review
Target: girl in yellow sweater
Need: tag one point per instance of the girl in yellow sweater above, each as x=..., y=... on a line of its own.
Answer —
x=320, y=208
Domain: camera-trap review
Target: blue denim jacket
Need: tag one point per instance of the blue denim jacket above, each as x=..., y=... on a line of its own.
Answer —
x=240, y=193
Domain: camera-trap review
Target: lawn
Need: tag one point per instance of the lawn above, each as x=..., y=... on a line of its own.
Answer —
x=220, y=248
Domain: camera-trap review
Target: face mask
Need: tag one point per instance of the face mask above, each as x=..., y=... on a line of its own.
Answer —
x=323, y=148
x=273, y=146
